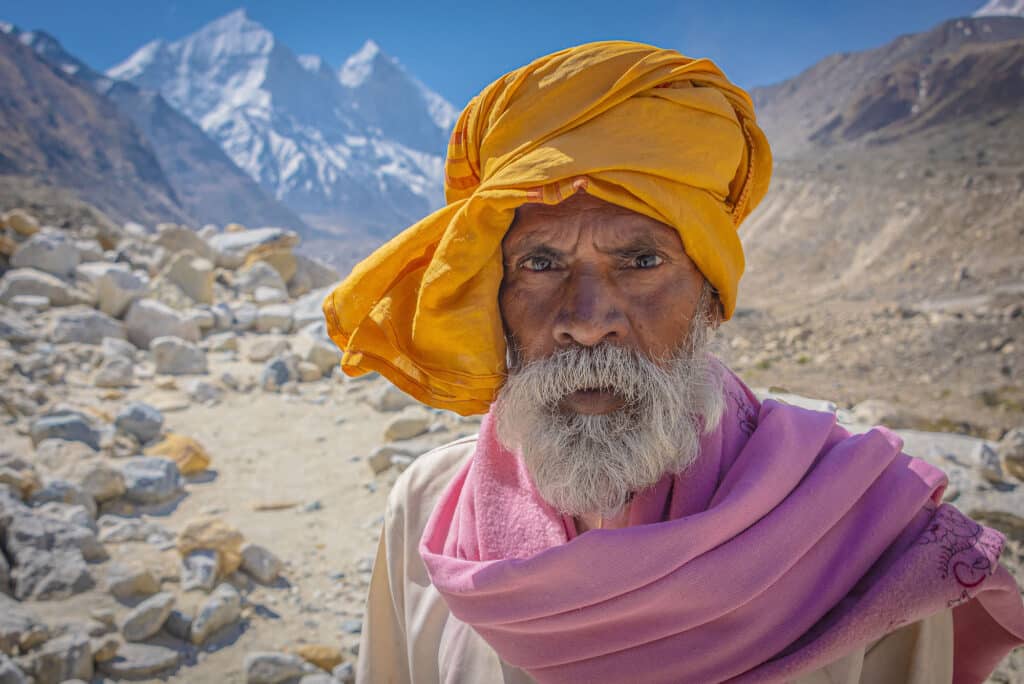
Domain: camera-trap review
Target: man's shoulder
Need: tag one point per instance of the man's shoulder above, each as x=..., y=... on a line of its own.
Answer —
x=418, y=488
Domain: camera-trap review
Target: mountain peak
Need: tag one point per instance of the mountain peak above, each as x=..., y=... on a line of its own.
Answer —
x=1001, y=8
x=360, y=65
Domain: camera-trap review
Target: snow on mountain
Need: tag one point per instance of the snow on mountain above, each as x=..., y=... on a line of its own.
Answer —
x=358, y=149
x=1001, y=8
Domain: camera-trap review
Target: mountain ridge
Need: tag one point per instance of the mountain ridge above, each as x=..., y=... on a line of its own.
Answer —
x=357, y=160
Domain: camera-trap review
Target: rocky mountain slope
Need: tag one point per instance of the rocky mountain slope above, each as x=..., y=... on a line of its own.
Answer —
x=207, y=184
x=66, y=136
x=356, y=152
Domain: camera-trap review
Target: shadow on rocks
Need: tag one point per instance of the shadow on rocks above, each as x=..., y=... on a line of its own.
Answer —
x=202, y=477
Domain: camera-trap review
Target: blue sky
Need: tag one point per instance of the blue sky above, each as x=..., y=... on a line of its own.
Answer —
x=458, y=48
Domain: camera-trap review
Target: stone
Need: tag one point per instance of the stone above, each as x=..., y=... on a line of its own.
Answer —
x=175, y=356
x=15, y=329
x=272, y=668
x=274, y=317
x=208, y=533
x=266, y=347
x=148, y=320
x=279, y=371
x=59, y=490
x=104, y=647
x=75, y=514
x=11, y=673
x=140, y=420
x=299, y=285
x=880, y=412
x=193, y=274
x=117, y=348
x=21, y=222
x=141, y=255
x=221, y=609
x=84, y=326
x=269, y=295
x=30, y=281
x=245, y=316
x=261, y=563
x=20, y=628
x=199, y=571
x=128, y=579
x=225, y=341
x=1011, y=452
x=98, y=479
x=29, y=304
x=203, y=317
x=48, y=252
x=60, y=455
x=234, y=247
x=140, y=661
x=177, y=239
x=344, y=673
x=383, y=457
x=69, y=426
x=203, y=391
x=151, y=480
x=223, y=316
x=309, y=372
x=986, y=460
x=115, y=372
x=115, y=530
x=317, y=349
x=322, y=655
x=49, y=575
x=89, y=250
x=178, y=625
x=309, y=307
x=43, y=533
x=67, y=657
x=320, y=274
x=390, y=398
x=186, y=452
x=5, y=575
x=146, y=619
x=352, y=626
x=281, y=258
x=411, y=422
x=118, y=288
x=259, y=274
x=18, y=474
x=317, y=678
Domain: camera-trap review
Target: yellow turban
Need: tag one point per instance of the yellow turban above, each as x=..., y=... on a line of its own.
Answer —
x=641, y=127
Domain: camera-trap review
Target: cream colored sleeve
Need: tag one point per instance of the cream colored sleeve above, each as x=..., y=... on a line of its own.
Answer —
x=382, y=644
x=920, y=653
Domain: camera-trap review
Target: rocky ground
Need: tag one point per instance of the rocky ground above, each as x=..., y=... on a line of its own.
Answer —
x=190, y=491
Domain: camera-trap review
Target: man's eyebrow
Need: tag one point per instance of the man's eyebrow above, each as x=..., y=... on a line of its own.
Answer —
x=536, y=247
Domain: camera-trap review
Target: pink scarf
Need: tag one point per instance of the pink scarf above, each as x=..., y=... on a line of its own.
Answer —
x=786, y=546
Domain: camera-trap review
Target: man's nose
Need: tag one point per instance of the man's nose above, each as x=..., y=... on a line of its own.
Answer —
x=588, y=313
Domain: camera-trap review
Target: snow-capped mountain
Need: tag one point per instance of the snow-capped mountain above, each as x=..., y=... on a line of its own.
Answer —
x=360, y=149
x=207, y=185
x=1001, y=8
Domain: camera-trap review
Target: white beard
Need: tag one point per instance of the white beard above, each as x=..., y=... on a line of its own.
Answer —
x=595, y=463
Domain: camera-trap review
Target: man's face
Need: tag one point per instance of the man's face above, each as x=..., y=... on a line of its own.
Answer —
x=584, y=272
x=610, y=385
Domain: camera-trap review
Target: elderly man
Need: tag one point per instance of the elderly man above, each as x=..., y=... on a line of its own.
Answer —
x=629, y=511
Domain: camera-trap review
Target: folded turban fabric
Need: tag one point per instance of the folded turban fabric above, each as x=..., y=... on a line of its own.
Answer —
x=641, y=127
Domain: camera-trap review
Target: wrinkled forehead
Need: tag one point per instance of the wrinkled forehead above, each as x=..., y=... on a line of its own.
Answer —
x=609, y=225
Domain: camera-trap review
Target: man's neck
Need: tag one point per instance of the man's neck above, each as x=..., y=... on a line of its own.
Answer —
x=594, y=521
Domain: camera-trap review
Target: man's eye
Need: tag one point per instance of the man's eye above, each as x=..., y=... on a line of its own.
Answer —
x=537, y=263
x=647, y=261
